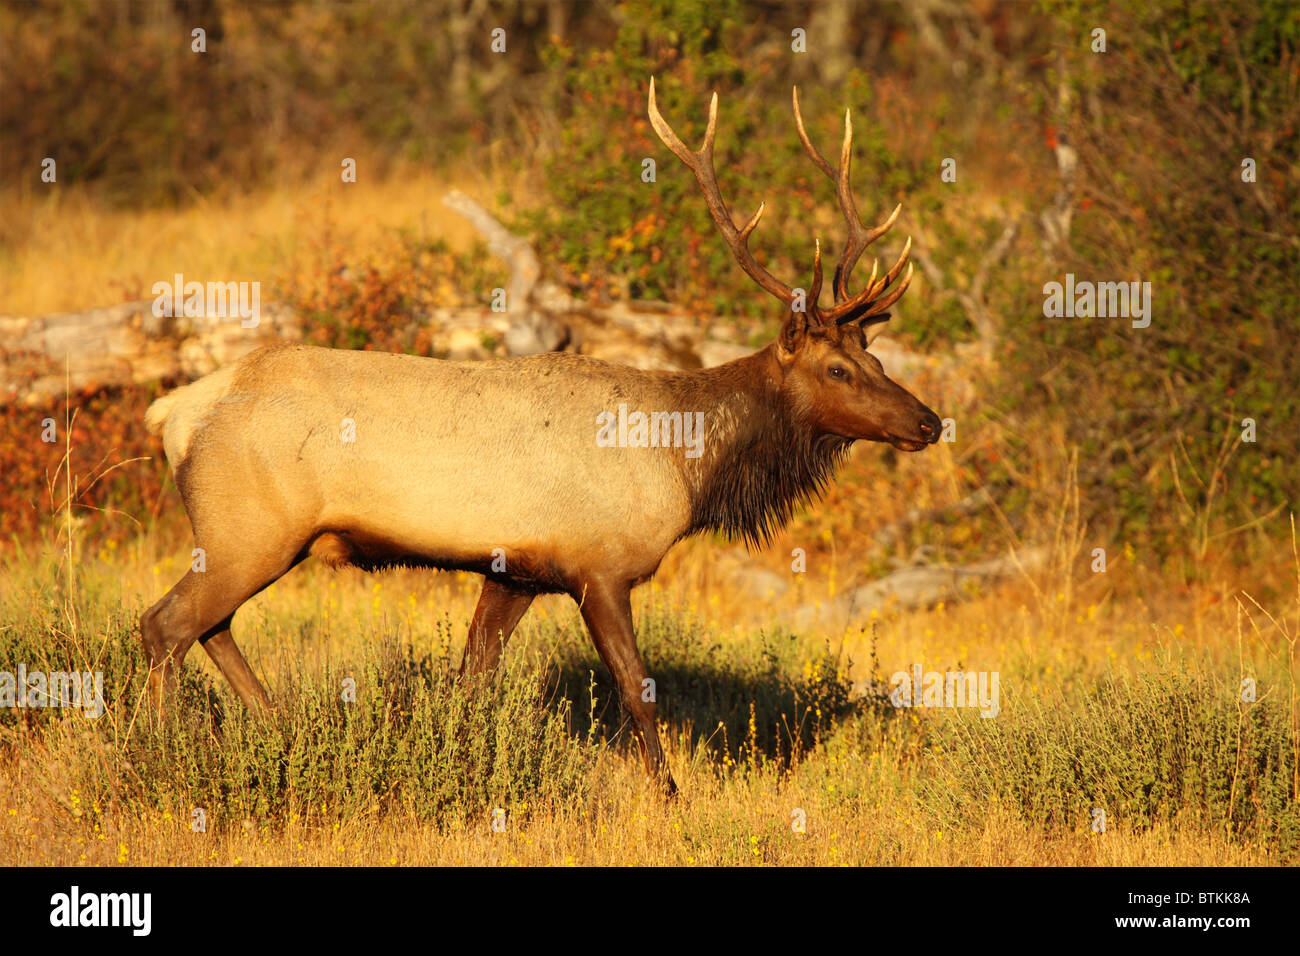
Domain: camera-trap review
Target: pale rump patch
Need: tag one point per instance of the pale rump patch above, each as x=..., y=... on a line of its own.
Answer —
x=176, y=415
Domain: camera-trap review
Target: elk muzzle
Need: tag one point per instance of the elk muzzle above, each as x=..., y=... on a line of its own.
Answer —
x=925, y=432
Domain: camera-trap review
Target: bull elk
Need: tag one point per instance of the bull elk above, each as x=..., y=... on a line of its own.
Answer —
x=460, y=465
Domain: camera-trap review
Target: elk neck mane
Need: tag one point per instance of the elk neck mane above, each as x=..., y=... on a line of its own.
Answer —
x=761, y=461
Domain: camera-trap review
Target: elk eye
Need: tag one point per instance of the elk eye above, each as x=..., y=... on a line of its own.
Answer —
x=838, y=372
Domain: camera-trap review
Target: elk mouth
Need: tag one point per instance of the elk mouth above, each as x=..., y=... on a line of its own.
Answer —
x=905, y=444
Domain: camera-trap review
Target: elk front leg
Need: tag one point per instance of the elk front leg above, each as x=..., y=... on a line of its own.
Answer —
x=607, y=609
x=500, y=607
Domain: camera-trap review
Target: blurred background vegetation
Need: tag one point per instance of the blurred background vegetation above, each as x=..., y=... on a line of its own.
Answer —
x=1139, y=148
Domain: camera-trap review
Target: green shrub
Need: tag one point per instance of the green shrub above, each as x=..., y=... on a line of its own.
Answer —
x=1173, y=745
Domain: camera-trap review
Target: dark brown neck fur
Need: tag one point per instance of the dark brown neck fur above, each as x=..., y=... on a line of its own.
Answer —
x=760, y=460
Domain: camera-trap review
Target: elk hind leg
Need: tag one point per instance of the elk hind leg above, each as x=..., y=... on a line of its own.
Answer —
x=225, y=654
x=200, y=605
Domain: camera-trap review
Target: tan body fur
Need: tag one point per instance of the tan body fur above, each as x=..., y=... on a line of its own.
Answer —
x=448, y=463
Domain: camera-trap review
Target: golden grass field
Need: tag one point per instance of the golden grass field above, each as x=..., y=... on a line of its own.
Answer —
x=70, y=252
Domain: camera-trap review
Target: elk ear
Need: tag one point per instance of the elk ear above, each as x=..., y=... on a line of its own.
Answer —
x=872, y=328
x=792, y=333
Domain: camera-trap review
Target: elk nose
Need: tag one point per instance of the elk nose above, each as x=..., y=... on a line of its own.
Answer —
x=930, y=427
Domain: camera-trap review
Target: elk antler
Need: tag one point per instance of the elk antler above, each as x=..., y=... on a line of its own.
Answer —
x=871, y=301
x=867, y=302
x=701, y=164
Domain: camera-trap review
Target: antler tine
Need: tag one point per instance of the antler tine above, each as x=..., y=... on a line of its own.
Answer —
x=880, y=305
x=892, y=273
x=701, y=164
x=859, y=235
x=846, y=311
x=814, y=293
x=807, y=143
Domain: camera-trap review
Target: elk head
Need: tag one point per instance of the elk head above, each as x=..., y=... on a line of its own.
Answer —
x=825, y=368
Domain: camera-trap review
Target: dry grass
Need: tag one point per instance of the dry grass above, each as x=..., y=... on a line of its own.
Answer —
x=62, y=250
x=712, y=824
